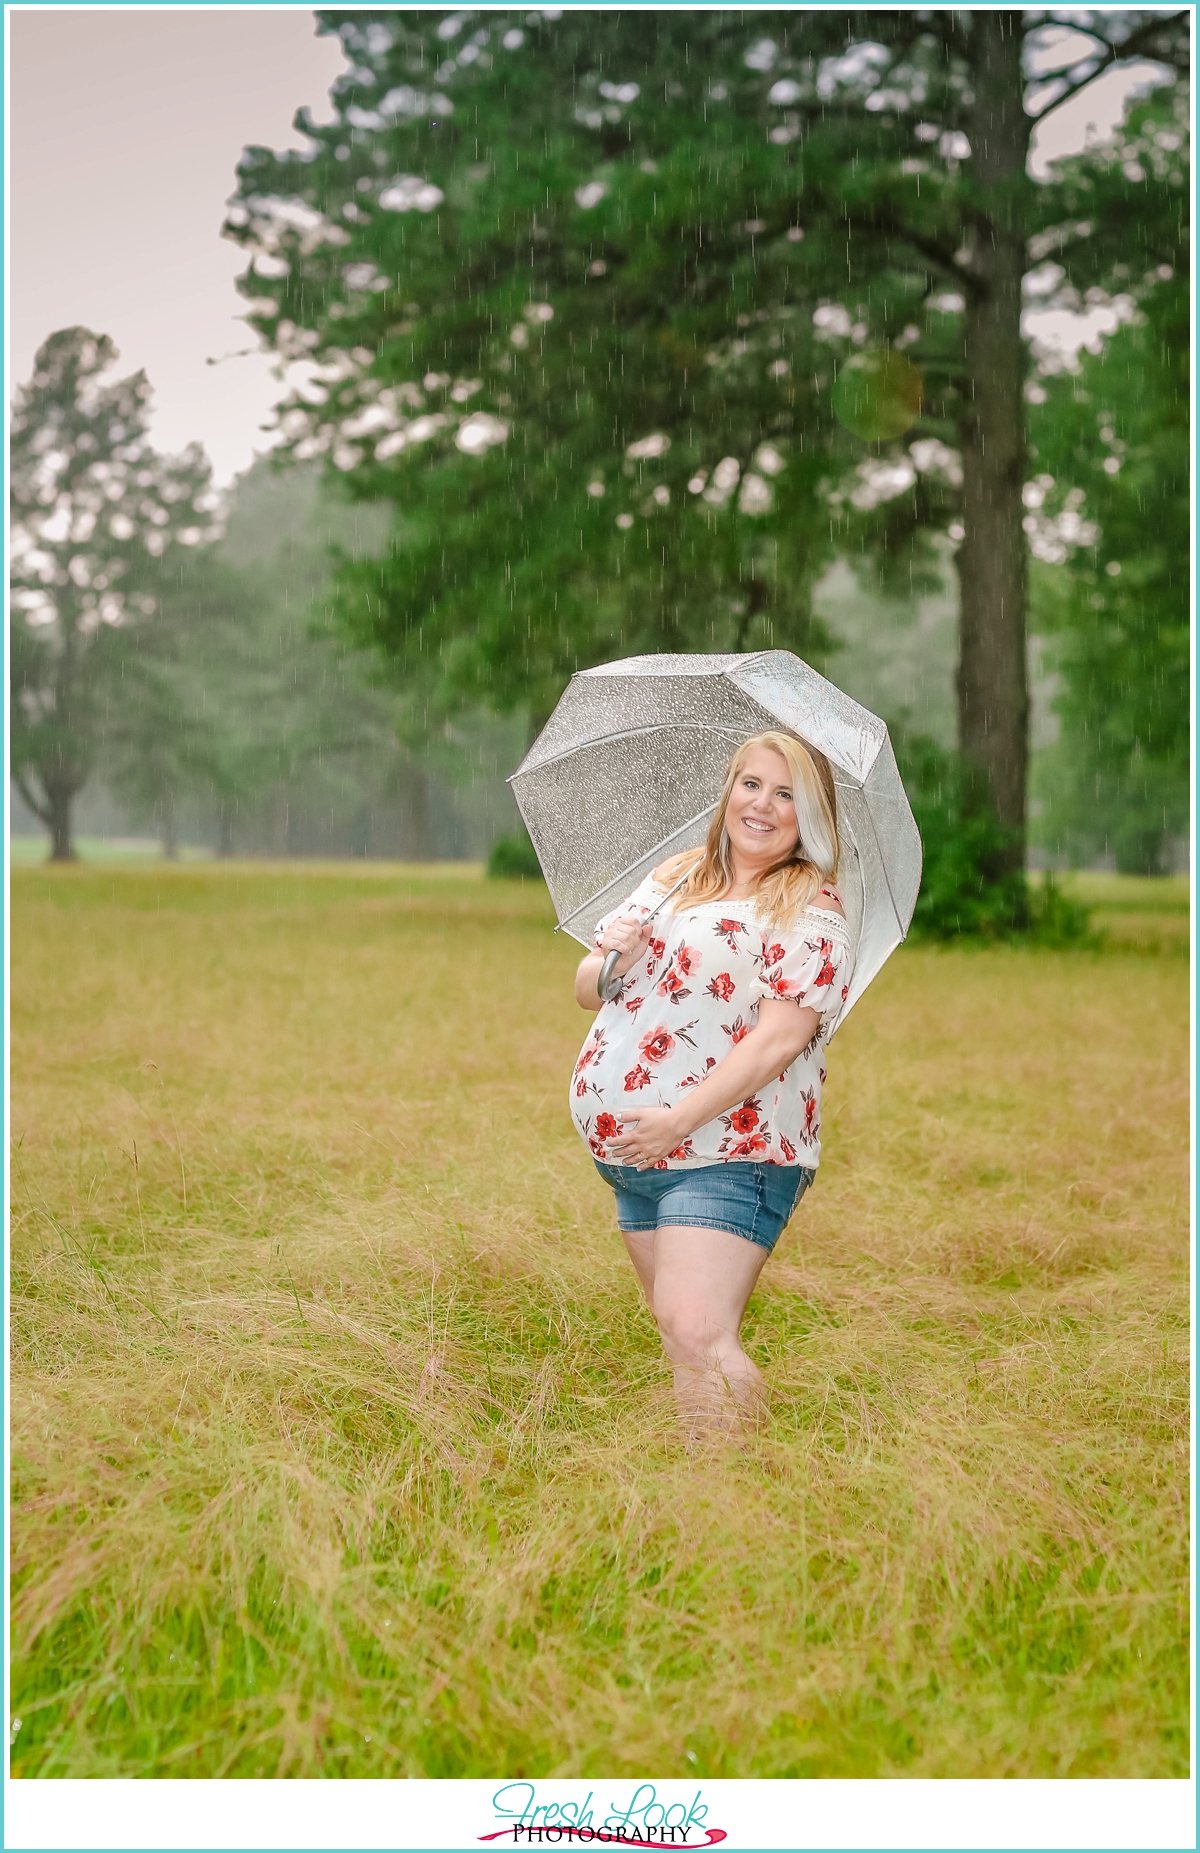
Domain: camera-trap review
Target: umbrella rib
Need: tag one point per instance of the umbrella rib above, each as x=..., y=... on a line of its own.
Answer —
x=686, y=825
x=887, y=880
x=736, y=729
x=887, y=874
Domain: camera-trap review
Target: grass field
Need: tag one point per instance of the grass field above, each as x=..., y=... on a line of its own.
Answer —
x=340, y=1437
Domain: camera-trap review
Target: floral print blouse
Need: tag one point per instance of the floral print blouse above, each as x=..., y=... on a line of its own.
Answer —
x=684, y=1006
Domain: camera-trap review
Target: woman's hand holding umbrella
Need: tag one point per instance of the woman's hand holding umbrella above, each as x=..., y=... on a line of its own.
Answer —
x=628, y=938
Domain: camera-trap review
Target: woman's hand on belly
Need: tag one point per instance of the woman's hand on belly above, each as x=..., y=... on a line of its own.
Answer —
x=647, y=1134
x=783, y=1031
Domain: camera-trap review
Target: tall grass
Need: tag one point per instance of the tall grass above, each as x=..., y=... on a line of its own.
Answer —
x=340, y=1435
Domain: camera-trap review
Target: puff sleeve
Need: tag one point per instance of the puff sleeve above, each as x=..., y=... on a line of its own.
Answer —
x=811, y=966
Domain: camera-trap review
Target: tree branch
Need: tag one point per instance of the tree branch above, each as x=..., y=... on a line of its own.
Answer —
x=22, y=785
x=932, y=248
x=1116, y=54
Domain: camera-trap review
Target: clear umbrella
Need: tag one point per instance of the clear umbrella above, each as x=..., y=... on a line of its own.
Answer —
x=628, y=770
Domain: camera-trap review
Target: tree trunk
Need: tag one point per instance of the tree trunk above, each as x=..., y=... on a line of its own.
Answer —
x=169, y=825
x=992, y=682
x=419, y=844
x=58, y=818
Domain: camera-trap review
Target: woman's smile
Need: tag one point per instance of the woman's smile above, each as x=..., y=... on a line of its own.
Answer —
x=761, y=813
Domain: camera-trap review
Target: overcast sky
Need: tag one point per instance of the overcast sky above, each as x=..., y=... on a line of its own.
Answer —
x=126, y=128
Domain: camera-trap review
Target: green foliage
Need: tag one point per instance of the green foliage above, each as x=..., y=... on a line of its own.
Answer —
x=1114, y=443
x=969, y=889
x=578, y=290
x=514, y=858
x=295, y=732
x=247, y=720
x=966, y=889
x=1057, y=918
x=588, y=373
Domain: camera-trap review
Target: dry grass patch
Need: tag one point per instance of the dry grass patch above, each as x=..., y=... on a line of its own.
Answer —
x=340, y=1437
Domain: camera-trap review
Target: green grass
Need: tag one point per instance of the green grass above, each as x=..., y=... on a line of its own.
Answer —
x=1146, y=913
x=24, y=850
x=340, y=1436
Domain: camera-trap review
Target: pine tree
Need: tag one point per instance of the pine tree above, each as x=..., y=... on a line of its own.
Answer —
x=577, y=290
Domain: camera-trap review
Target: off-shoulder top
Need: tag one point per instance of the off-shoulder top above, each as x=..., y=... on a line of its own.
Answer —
x=684, y=1006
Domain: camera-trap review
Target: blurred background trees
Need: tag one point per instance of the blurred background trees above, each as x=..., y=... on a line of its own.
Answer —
x=98, y=523
x=605, y=329
x=1113, y=448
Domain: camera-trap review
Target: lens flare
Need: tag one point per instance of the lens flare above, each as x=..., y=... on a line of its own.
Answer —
x=878, y=395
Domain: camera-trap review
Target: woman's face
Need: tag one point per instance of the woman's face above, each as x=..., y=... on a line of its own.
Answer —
x=761, y=814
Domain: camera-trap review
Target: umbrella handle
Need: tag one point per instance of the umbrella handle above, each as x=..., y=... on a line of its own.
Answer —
x=608, y=984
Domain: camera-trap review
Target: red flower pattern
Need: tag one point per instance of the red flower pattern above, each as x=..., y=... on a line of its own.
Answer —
x=767, y=1129
x=746, y=1148
x=590, y=1050
x=656, y=1045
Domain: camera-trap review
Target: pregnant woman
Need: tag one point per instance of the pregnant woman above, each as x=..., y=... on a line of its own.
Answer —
x=698, y=1090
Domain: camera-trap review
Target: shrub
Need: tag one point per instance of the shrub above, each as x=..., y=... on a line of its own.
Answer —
x=513, y=858
x=968, y=888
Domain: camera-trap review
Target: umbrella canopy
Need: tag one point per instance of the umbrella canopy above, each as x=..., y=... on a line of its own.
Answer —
x=629, y=767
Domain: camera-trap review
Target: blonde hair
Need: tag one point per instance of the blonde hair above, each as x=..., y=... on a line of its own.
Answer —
x=785, y=890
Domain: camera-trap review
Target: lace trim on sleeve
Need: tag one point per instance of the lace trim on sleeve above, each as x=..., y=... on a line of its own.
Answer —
x=832, y=925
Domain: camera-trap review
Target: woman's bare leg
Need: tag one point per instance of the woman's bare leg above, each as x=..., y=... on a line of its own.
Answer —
x=640, y=1243
x=698, y=1283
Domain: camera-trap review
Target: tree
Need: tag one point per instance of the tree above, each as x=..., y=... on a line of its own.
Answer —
x=1110, y=519
x=301, y=734
x=943, y=106
x=170, y=699
x=552, y=270
x=243, y=715
x=98, y=519
x=600, y=438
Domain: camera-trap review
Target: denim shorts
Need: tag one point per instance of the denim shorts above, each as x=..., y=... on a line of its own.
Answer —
x=750, y=1200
